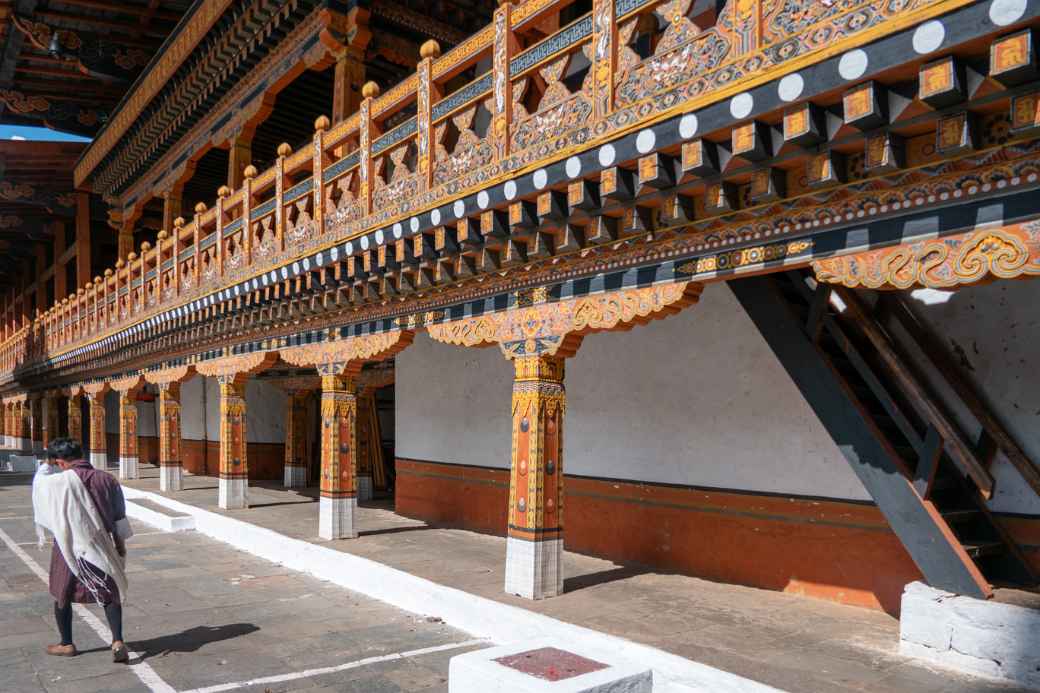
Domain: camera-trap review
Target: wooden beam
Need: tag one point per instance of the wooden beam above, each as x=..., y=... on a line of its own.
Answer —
x=15, y=39
x=82, y=239
x=60, y=284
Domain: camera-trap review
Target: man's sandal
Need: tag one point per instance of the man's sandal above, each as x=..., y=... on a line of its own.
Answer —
x=120, y=655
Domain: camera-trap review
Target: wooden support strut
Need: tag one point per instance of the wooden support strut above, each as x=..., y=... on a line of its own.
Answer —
x=927, y=538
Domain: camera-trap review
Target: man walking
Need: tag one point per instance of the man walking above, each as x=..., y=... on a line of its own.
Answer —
x=84, y=509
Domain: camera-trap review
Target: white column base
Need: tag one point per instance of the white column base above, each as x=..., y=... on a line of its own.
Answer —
x=295, y=476
x=170, y=477
x=534, y=569
x=364, y=487
x=232, y=494
x=336, y=518
x=24, y=444
x=128, y=468
x=99, y=460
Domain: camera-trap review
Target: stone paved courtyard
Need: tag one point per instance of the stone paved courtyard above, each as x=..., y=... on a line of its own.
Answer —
x=201, y=614
x=206, y=617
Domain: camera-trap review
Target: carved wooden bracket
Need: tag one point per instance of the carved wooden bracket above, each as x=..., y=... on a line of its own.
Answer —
x=347, y=356
x=176, y=374
x=296, y=384
x=126, y=386
x=1009, y=252
x=556, y=328
x=95, y=389
x=234, y=368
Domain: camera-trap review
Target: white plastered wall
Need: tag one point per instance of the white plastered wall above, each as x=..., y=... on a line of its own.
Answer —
x=147, y=423
x=697, y=399
x=200, y=411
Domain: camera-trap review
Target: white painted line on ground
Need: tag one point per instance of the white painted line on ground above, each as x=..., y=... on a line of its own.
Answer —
x=142, y=670
x=476, y=615
x=280, y=678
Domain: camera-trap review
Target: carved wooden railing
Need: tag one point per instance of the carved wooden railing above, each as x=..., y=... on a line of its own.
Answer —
x=484, y=110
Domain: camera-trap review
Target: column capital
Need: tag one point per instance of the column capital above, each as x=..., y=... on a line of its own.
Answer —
x=237, y=367
x=166, y=376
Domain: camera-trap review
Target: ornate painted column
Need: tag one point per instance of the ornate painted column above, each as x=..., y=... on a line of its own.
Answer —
x=8, y=425
x=338, y=362
x=296, y=439
x=75, y=417
x=170, y=472
x=23, y=420
x=49, y=410
x=168, y=381
x=128, y=435
x=36, y=417
x=98, y=436
x=232, y=372
x=234, y=467
x=538, y=335
x=338, y=499
x=534, y=541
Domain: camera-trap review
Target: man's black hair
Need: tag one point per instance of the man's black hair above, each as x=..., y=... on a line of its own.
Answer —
x=65, y=449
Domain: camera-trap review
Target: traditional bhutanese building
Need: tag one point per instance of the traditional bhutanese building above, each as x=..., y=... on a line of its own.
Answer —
x=719, y=287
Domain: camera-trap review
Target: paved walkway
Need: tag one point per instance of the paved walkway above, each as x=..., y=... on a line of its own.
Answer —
x=793, y=643
x=202, y=615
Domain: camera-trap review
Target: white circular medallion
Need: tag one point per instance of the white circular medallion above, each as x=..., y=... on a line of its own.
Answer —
x=459, y=208
x=541, y=177
x=364, y=242
x=334, y=253
x=398, y=230
x=790, y=87
x=645, y=141
x=295, y=268
x=483, y=200
x=435, y=218
x=413, y=224
x=349, y=247
x=379, y=236
x=573, y=167
x=1004, y=12
x=740, y=106
x=319, y=260
x=929, y=36
x=306, y=265
x=285, y=273
x=509, y=189
x=606, y=155
x=688, y=126
x=853, y=64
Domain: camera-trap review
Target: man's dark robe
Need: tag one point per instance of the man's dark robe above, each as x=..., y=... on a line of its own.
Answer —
x=107, y=496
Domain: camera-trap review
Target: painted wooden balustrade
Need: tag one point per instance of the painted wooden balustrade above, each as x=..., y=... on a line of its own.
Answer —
x=498, y=104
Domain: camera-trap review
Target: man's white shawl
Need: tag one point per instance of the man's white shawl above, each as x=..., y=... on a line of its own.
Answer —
x=63, y=506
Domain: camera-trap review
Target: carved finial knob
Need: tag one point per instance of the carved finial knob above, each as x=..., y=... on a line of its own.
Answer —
x=430, y=49
x=64, y=301
x=162, y=235
x=145, y=247
x=223, y=191
x=90, y=285
x=200, y=208
x=108, y=272
x=249, y=172
x=83, y=290
x=321, y=124
x=284, y=149
x=370, y=90
x=97, y=280
x=178, y=222
x=120, y=263
x=131, y=256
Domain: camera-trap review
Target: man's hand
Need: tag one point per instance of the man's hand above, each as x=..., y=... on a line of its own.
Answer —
x=121, y=548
